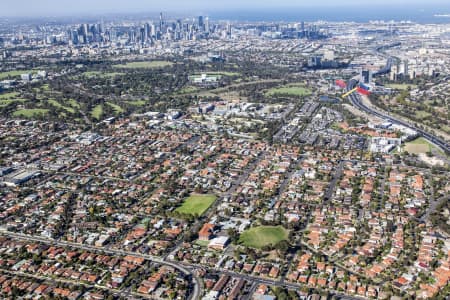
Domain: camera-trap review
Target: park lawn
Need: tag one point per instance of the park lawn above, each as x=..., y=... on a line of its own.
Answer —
x=4, y=103
x=29, y=113
x=144, y=64
x=13, y=74
x=422, y=114
x=188, y=89
x=401, y=87
x=101, y=74
x=225, y=73
x=196, y=204
x=59, y=105
x=97, y=112
x=45, y=87
x=202, y=243
x=445, y=128
x=136, y=102
x=258, y=237
x=74, y=103
x=117, y=108
x=419, y=145
x=296, y=90
x=9, y=96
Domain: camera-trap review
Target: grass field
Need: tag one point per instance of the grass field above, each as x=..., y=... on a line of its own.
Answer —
x=422, y=114
x=117, y=108
x=9, y=96
x=202, y=243
x=97, y=112
x=29, y=113
x=59, y=105
x=186, y=90
x=45, y=87
x=145, y=64
x=224, y=73
x=74, y=103
x=136, y=102
x=12, y=74
x=402, y=87
x=196, y=204
x=7, y=102
x=101, y=74
x=289, y=90
x=258, y=237
x=419, y=145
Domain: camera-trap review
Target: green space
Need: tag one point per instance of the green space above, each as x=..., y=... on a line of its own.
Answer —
x=45, y=87
x=16, y=73
x=225, y=73
x=136, y=102
x=187, y=90
x=258, y=237
x=9, y=101
x=296, y=90
x=420, y=145
x=422, y=114
x=59, y=105
x=9, y=96
x=44, y=92
x=402, y=87
x=196, y=204
x=202, y=243
x=74, y=103
x=144, y=64
x=117, y=108
x=101, y=74
x=97, y=112
x=30, y=113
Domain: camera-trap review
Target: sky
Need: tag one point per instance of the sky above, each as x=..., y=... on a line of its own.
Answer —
x=45, y=8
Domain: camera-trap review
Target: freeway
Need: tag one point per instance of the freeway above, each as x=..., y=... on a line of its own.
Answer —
x=355, y=99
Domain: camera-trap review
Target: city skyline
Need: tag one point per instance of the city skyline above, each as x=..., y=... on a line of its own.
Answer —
x=239, y=150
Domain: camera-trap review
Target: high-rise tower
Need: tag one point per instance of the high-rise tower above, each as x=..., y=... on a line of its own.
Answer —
x=201, y=24
x=161, y=22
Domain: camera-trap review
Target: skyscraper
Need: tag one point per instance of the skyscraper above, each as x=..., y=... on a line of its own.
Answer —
x=201, y=24
x=152, y=30
x=161, y=22
x=147, y=31
x=229, y=30
x=207, y=29
x=142, y=35
x=406, y=67
x=85, y=29
x=366, y=76
x=74, y=37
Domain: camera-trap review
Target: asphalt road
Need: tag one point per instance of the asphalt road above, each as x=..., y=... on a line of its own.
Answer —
x=195, y=280
x=355, y=99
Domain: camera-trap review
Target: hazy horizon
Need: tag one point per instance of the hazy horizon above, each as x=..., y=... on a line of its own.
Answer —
x=50, y=8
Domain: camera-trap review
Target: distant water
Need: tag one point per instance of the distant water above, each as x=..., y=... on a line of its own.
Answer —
x=359, y=13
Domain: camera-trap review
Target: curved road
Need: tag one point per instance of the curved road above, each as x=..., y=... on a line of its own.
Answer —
x=355, y=99
x=196, y=293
